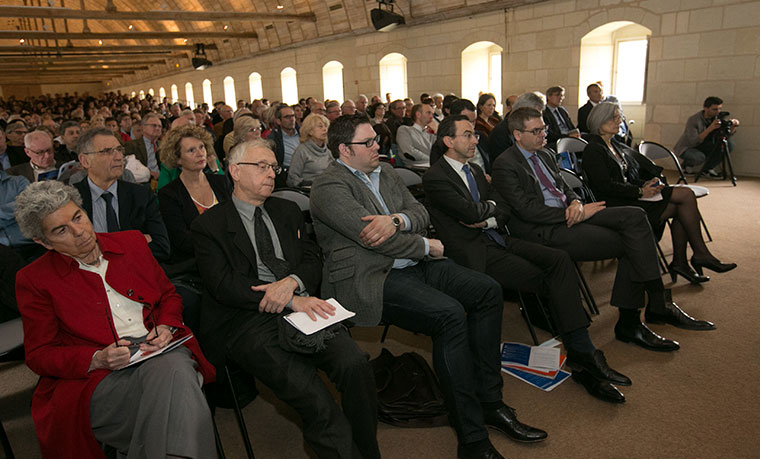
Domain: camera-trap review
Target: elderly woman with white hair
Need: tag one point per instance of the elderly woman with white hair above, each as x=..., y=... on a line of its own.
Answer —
x=623, y=177
x=87, y=306
x=312, y=157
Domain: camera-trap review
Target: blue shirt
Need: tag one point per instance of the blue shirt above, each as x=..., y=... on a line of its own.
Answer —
x=10, y=187
x=549, y=199
x=289, y=144
x=99, y=205
x=373, y=183
x=152, y=161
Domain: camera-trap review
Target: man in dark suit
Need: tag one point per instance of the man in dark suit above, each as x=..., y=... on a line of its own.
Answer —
x=481, y=158
x=112, y=204
x=557, y=119
x=595, y=95
x=379, y=264
x=38, y=146
x=257, y=264
x=145, y=148
x=469, y=224
x=286, y=138
x=544, y=209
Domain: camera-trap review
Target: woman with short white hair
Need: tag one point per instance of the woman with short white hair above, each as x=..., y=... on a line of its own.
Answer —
x=312, y=157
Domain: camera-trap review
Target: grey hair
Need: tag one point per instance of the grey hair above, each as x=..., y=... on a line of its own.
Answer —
x=40, y=199
x=84, y=144
x=603, y=112
x=237, y=152
x=30, y=136
x=530, y=99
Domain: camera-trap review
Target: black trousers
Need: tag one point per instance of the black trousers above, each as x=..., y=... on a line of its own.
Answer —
x=615, y=232
x=461, y=310
x=531, y=267
x=293, y=379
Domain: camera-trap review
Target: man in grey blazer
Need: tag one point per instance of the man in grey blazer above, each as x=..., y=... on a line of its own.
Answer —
x=379, y=265
x=414, y=142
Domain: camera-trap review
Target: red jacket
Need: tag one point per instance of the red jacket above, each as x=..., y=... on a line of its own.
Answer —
x=64, y=311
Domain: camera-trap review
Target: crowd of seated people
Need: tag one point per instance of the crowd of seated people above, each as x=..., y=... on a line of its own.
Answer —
x=189, y=191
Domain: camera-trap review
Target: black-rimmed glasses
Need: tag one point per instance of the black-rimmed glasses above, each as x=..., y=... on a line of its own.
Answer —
x=536, y=131
x=108, y=151
x=369, y=143
x=264, y=166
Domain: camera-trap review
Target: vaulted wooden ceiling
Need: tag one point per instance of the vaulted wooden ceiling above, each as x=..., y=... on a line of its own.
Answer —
x=75, y=41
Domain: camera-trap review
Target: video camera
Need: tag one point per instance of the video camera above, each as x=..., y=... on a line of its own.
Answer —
x=725, y=124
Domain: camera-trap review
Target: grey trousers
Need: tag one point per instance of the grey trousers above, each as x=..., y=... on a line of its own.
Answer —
x=154, y=409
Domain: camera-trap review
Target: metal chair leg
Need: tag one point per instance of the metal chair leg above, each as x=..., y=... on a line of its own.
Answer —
x=661, y=258
x=239, y=415
x=385, y=333
x=527, y=319
x=704, y=225
x=586, y=292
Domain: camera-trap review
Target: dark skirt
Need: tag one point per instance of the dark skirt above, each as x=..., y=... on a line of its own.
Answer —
x=654, y=210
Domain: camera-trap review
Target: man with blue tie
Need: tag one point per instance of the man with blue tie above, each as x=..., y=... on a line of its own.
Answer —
x=469, y=225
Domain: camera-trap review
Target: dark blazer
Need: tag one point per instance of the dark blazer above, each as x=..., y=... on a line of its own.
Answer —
x=449, y=202
x=16, y=155
x=179, y=211
x=24, y=170
x=515, y=183
x=227, y=262
x=554, y=133
x=583, y=116
x=279, y=146
x=439, y=149
x=499, y=140
x=138, y=210
x=137, y=147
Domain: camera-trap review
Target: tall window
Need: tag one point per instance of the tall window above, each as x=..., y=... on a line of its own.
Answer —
x=393, y=76
x=229, y=92
x=150, y=91
x=189, y=95
x=332, y=81
x=630, y=70
x=207, y=97
x=133, y=94
x=254, y=86
x=142, y=94
x=481, y=71
x=289, y=86
x=175, y=93
x=161, y=93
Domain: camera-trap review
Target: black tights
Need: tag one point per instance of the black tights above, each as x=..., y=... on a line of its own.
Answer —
x=685, y=225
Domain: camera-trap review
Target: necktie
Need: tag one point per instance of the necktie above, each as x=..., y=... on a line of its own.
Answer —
x=544, y=179
x=265, y=247
x=112, y=223
x=562, y=125
x=491, y=233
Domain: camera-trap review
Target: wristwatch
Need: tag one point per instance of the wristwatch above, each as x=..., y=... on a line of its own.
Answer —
x=641, y=192
x=396, y=221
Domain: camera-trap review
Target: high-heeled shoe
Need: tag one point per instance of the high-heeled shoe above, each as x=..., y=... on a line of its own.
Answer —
x=686, y=272
x=714, y=265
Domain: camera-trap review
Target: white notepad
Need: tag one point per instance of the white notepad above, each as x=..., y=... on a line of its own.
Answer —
x=305, y=325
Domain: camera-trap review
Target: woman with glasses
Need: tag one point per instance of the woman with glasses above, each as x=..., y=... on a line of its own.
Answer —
x=312, y=157
x=246, y=128
x=623, y=177
x=79, y=304
x=487, y=116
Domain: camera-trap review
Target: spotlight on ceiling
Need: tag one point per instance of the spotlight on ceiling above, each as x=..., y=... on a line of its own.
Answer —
x=200, y=62
x=383, y=17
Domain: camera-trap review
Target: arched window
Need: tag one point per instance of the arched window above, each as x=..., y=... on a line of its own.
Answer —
x=254, y=86
x=332, y=81
x=393, y=76
x=207, y=97
x=189, y=95
x=289, y=86
x=481, y=71
x=142, y=94
x=615, y=54
x=229, y=92
x=150, y=91
x=175, y=93
x=161, y=93
x=133, y=94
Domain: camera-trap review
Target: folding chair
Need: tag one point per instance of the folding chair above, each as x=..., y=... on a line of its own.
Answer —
x=11, y=348
x=568, y=149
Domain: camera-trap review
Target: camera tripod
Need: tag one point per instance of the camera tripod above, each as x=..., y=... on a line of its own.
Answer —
x=727, y=165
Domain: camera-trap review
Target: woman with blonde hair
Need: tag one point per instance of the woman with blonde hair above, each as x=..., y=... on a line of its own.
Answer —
x=312, y=157
x=246, y=128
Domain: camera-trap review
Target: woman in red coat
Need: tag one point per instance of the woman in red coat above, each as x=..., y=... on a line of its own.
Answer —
x=78, y=302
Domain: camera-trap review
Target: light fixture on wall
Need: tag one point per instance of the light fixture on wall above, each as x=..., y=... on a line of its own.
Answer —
x=200, y=62
x=384, y=19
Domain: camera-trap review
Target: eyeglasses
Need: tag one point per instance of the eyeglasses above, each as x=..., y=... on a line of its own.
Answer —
x=135, y=342
x=369, y=143
x=254, y=129
x=41, y=152
x=264, y=166
x=537, y=131
x=108, y=151
x=468, y=135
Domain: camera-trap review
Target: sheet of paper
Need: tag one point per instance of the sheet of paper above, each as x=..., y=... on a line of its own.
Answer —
x=139, y=356
x=305, y=325
x=546, y=358
x=545, y=384
x=657, y=197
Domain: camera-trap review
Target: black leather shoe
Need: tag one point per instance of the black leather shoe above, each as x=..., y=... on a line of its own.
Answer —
x=687, y=273
x=714, y=265
x=505, y=421
x=602, y=390
x=675, y=316
x=641, y=335
x=489, y=452
x=596, y=365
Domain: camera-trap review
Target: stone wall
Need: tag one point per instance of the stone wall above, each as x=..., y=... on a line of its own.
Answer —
x=698, y=48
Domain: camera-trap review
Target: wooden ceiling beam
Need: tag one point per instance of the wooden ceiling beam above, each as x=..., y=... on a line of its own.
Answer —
x=153, y=15
x=106, y=48
x=34, y=67
x=133, y=59
x=46, y=35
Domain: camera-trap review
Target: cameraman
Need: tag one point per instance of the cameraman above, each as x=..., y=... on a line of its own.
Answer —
x=702, y=138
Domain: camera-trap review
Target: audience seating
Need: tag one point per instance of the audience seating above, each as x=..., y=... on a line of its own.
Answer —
x=574, y=149
x=11, y=349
